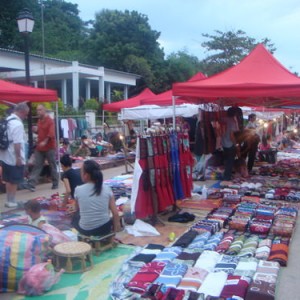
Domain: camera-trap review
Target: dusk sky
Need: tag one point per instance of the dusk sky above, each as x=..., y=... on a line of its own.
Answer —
x=182, y=22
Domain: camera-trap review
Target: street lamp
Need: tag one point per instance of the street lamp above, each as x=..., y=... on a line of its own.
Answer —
x=25, y=24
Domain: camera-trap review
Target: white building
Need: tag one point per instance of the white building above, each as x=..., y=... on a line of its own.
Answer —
x=72, y=80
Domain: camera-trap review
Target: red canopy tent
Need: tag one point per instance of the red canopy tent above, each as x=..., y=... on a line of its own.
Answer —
x=259, y=79
x=165, y=98
x=14, y=93
x=131, y=102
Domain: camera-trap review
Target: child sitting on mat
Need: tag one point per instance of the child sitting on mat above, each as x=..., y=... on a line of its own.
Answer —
x=33, y=210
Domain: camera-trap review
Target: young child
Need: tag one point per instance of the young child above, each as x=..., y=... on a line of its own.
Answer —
x=33, y=210
x=240, y=167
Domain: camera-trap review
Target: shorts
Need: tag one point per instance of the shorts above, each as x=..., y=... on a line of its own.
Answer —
x=12, y=174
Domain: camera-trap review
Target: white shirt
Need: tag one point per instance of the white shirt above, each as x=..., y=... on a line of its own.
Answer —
x=16, y=135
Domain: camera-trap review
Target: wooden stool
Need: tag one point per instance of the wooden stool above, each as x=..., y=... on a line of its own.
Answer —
x=99, y=243
x=71, y=254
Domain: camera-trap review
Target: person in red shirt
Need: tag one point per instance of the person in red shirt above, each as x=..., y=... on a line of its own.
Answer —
x=45, y=149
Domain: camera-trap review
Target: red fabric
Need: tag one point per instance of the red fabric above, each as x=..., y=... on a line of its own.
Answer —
x=131, y=102
x=16, y=93
x=258, y=79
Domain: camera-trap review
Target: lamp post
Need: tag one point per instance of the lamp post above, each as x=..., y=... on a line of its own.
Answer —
x=25, y=24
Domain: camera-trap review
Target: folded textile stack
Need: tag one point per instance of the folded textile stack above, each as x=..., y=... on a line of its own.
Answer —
x=284, y=222
x=171, y=275
x=167, y=254
x=235, y=286
x=236, y=245
x=221, y=215
x=263, y=249
x=260, y=226
x=249, y=246
x=246, y=267
x=264, y=281
x=279, y=250
x=211, y=226
x=231, y=200
x=193, y=279
x=225, y=242
x=227, y=264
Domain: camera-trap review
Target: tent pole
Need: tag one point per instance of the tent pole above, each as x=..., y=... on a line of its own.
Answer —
x=174, y=112
x=57, y=139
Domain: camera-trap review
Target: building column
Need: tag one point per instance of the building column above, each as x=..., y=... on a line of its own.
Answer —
x=101, y=88
x=108, y=92
x=125, y=91
x=64, y=91
x=87, y=89
x=35, y=84
x=75, y=84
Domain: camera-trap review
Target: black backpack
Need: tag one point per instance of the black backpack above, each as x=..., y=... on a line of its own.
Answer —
x=4, y=141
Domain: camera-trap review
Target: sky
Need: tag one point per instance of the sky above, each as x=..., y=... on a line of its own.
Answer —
x=182, y=22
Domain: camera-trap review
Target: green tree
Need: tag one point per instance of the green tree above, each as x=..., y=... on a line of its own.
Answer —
x=125, y=41
x=228, y=49
x=181, y=66
x=64, y=31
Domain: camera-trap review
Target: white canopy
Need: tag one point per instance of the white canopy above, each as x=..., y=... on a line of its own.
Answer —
x=158, y=112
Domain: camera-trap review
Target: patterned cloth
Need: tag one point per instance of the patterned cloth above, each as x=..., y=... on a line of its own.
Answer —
x=168, y=254
x=235, y=286
x=208, y=260
x=246, y=267
x=145, y=276
x=186, y=258
x=263, y=250
x=225, y=242
x=192, y=279
x=249, y=247
x=171, y=275
x=227, y=264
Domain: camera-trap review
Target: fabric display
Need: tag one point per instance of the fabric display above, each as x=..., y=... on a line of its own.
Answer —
x=284, y=221
x=225, y=242
x=168, y=254
x=221, y=215
x=193, y=279
x=236, y=245
x=210, y=226
x=279, y=251
x=208, y=260
x=199, y=241
x=213, y=284
x=213, y=241
x=260, y=226
x=227, y=264
x=171, y=275
x=249, y=246
x=72, y=128
x=187, y=258
x=235, y=286
x=264, y=281
x=146, y=275
x=231, y=199
x=186, y=239
x=263, y=250
x=246, y=267
x=163, y=171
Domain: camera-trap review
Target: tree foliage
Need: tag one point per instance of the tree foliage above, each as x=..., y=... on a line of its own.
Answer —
x=228, y=49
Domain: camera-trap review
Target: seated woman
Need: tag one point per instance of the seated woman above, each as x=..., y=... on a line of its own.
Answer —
x=70, y=177
x=87, y=148
x=103, y=146
x=266, y=152
x=94, y=202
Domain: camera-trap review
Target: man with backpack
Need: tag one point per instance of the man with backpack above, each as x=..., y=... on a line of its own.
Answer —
x=12, y=153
